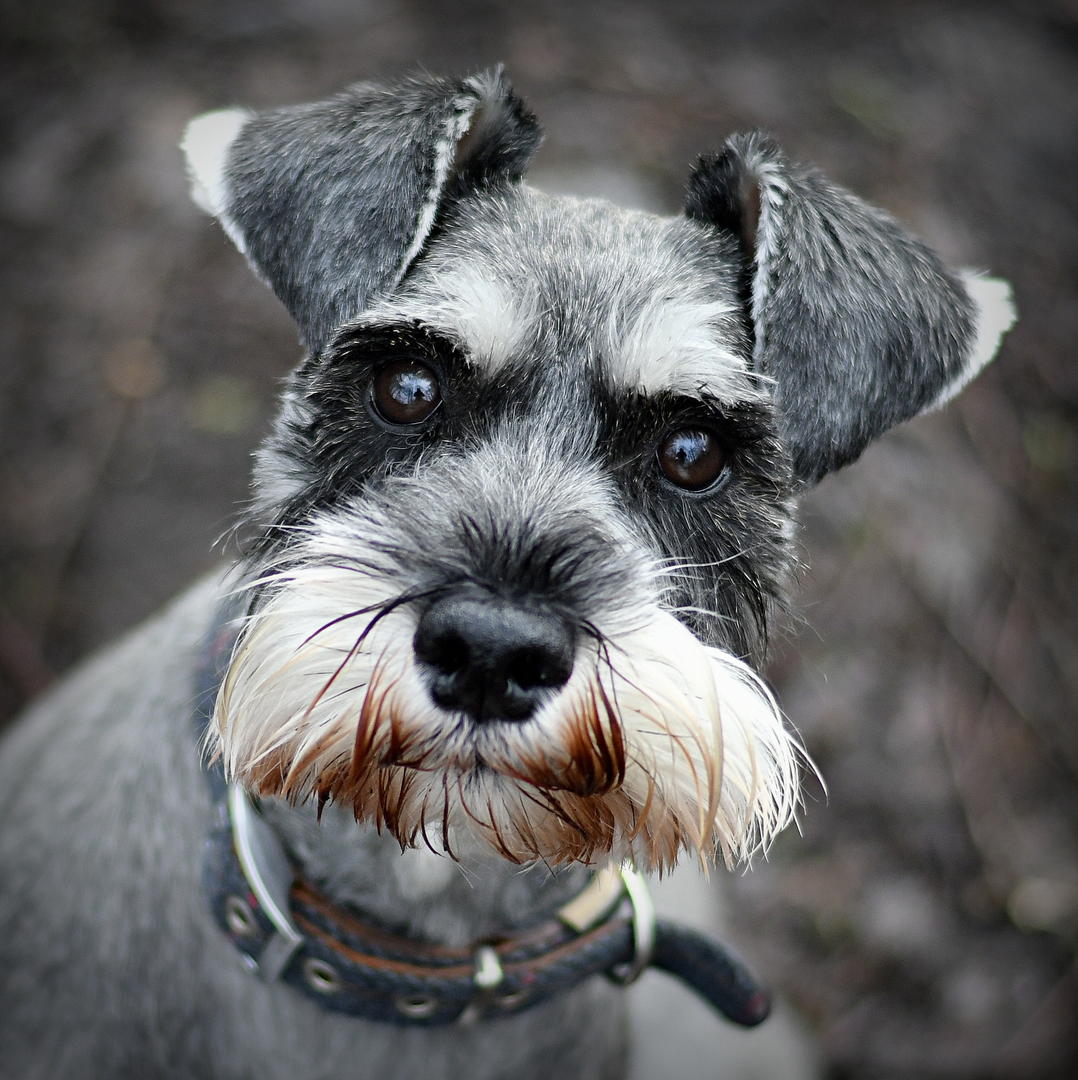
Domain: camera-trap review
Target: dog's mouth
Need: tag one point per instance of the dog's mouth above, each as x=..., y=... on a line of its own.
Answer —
x=589, y=759
x=573, y=743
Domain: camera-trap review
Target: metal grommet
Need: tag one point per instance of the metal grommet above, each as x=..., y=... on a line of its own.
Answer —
x=320, y=976
x=238, y=917
x=416, y=1006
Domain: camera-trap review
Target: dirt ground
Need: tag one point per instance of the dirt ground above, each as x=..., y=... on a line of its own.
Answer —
x=925, y=920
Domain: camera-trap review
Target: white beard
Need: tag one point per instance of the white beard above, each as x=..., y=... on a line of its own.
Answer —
x=657, y=745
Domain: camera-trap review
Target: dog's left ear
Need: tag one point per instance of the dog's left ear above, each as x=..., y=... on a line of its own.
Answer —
x=859, y=324
x=332, y=202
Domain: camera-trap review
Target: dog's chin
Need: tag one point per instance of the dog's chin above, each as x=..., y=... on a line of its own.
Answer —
x=656, y=746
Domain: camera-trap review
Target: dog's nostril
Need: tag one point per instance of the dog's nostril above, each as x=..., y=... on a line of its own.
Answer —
x=448, y=652
x=491, y=658
x=537, y=667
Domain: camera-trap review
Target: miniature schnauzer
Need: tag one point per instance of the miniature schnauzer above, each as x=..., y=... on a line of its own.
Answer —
x=517, y=538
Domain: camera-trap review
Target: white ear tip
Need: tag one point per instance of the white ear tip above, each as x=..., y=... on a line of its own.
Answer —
x=996, y=314
x=205, y=144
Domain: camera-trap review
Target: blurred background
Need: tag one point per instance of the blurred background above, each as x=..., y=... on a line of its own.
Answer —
x=925, y=920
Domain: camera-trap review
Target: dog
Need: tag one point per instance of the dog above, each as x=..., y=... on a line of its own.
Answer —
x=376, y=801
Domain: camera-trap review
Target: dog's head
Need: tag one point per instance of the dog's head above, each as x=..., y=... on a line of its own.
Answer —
x=527, y=507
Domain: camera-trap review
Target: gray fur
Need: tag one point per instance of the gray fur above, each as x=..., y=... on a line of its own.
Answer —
x=111, y=967
x=574, y=271
x=111, y=964
x=860, y=324
x=329, y=197
x=357, y=211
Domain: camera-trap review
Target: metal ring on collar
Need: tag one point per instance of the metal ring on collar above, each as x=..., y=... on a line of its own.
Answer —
x=643, y=908
x=238, y=917
x=268, y=873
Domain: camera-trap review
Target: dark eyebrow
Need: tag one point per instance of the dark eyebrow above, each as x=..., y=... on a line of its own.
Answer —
x=741, y=421
x=366, y=341
x=676, y=403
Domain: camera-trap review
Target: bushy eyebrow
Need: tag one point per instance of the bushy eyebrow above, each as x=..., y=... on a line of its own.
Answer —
x=683, y=346
x=372, y=339
x=487, y=321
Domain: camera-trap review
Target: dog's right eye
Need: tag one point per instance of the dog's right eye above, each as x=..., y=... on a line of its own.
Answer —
x=692, y=458
x=405, y=392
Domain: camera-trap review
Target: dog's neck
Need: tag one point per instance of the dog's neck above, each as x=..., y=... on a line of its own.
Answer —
x=417, y=892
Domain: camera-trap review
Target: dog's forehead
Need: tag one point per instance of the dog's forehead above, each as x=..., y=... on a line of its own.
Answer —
x=648, y=303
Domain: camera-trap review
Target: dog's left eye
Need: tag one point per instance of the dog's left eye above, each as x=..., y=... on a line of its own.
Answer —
x=405, y=392
x=691, y=458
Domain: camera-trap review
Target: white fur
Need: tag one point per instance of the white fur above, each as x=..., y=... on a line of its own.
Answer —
x=423, y=873
x=996, y=314
x=206, y=145
x=444, y=152
x=709, y=764
x=773, y=192
x=676, y=345
x=470, y=306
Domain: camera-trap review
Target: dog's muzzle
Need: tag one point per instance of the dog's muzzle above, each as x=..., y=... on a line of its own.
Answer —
x=504, y=703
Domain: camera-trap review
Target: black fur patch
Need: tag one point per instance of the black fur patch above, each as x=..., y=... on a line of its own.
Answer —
x=728, y=548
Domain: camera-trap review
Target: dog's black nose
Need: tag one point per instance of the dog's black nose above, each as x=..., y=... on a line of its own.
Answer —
x=492, y=658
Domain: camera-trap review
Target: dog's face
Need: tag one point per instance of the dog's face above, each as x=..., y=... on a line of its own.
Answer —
x=527, y=508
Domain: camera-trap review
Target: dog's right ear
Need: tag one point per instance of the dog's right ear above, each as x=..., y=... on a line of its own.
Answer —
x=859, y=325
x=332, y=202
